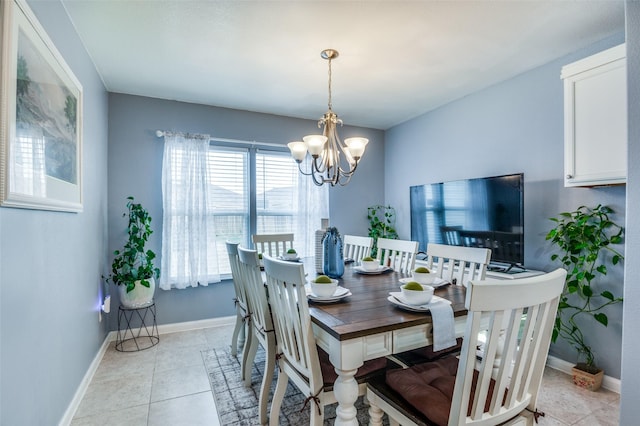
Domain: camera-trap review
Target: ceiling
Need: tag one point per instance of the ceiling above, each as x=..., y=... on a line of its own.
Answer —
x=398, y=59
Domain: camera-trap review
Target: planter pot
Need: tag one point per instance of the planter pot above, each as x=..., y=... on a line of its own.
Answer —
x=139, y=297
x=586, y=380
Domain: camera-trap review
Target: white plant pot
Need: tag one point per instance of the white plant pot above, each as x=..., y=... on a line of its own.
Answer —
x=138, y=297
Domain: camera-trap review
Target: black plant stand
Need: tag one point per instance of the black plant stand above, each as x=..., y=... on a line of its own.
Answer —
x=145, y=336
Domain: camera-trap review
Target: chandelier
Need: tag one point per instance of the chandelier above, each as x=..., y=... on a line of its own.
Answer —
x=327, y=163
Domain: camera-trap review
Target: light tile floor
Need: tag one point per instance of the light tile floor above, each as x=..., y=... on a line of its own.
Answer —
x=168, y=385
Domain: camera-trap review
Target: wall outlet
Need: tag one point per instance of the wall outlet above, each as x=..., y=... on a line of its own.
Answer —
x=106, y=306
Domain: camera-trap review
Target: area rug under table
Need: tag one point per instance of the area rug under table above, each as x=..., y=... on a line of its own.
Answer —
x=238, y=404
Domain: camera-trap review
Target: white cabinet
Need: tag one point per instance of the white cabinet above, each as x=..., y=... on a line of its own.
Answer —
x=595, y=119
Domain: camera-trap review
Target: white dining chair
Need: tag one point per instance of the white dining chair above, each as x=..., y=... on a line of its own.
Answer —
x=517, y=317
x=457, y=264
x=261, y=324
x=356, y=247
x=272, y=244
x=299, y=359
x=241, y=333
x=398, y=254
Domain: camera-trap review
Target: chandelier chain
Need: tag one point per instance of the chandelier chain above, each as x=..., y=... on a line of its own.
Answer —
x=330, y=103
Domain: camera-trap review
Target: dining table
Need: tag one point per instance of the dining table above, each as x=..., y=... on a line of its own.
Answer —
x=366, y=325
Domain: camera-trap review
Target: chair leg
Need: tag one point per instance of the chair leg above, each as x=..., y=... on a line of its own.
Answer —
x=278, y=395
x=239, y=333
x=248, y=355
x=375, y=415
x=269, y=367
x=239, y=327
x=315, y=418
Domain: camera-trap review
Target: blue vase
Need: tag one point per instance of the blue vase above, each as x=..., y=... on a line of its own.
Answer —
x=333, y=263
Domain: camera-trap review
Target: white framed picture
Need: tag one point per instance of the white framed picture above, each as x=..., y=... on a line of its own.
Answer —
x=41, y=118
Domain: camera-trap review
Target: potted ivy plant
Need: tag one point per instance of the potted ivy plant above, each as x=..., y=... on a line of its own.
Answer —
x=132, y=269
x=585, y=239
x=382, y=222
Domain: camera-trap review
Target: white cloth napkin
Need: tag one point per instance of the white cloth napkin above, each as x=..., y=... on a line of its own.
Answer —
x=444, y=332
x=442, y=323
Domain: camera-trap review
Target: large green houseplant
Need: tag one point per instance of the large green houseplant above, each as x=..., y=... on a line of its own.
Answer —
x=585, y=239
x=382, y=222
x=132, y=269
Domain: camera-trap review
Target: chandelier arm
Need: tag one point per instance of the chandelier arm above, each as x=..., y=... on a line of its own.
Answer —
x=351, y=170
x=316, y=181
x=303, y=172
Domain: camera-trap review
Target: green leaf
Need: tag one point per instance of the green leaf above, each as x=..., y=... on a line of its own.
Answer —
x=607, y=295
x=601, y=318
x=587, y=291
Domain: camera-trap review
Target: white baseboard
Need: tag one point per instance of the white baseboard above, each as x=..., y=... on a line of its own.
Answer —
x=610, y=383
x=84, y=384
x=162, y=329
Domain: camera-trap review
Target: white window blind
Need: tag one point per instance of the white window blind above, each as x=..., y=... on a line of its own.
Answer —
x=276, y=191
x=228, y=199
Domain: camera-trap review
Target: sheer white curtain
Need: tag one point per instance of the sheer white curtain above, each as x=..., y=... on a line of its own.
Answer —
x=189, y=254
x=313, y=205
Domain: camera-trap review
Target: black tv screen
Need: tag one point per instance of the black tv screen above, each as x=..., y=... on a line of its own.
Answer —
x=483, y=212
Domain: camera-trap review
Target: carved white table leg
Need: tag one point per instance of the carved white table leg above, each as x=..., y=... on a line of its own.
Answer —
x=345, y=390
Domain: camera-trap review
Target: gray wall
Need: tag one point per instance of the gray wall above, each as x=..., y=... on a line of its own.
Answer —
x=629, y=407
x=135, y=166
x=50, y=267
x=514, y=126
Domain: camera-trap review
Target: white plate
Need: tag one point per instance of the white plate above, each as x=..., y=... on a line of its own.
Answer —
x=397, y=299
x=438, y=282
x=340, y=293
x=297, y=259
x=380, y=270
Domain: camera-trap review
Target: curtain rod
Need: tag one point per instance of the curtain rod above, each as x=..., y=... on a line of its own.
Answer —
x=161, y=133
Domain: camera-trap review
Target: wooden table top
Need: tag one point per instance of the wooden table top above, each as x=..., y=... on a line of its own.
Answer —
x=368, y=311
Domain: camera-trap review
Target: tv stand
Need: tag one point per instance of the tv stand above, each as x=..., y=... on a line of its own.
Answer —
x=502, y=272
x=510, y=272
x=507, y=269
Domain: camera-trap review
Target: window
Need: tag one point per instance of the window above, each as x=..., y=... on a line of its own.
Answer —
x=248, y=191
x=276, y=190
x=228, y=199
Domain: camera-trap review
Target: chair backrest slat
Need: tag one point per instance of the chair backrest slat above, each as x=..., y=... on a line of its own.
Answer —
x=356, y=247
x=238, y=282
x=517, y=318
x=272, y=244
x=256, y=290
x=458, y=264
x=398, y=254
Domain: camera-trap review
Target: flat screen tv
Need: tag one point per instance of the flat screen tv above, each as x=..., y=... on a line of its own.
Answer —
x=483, y=212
